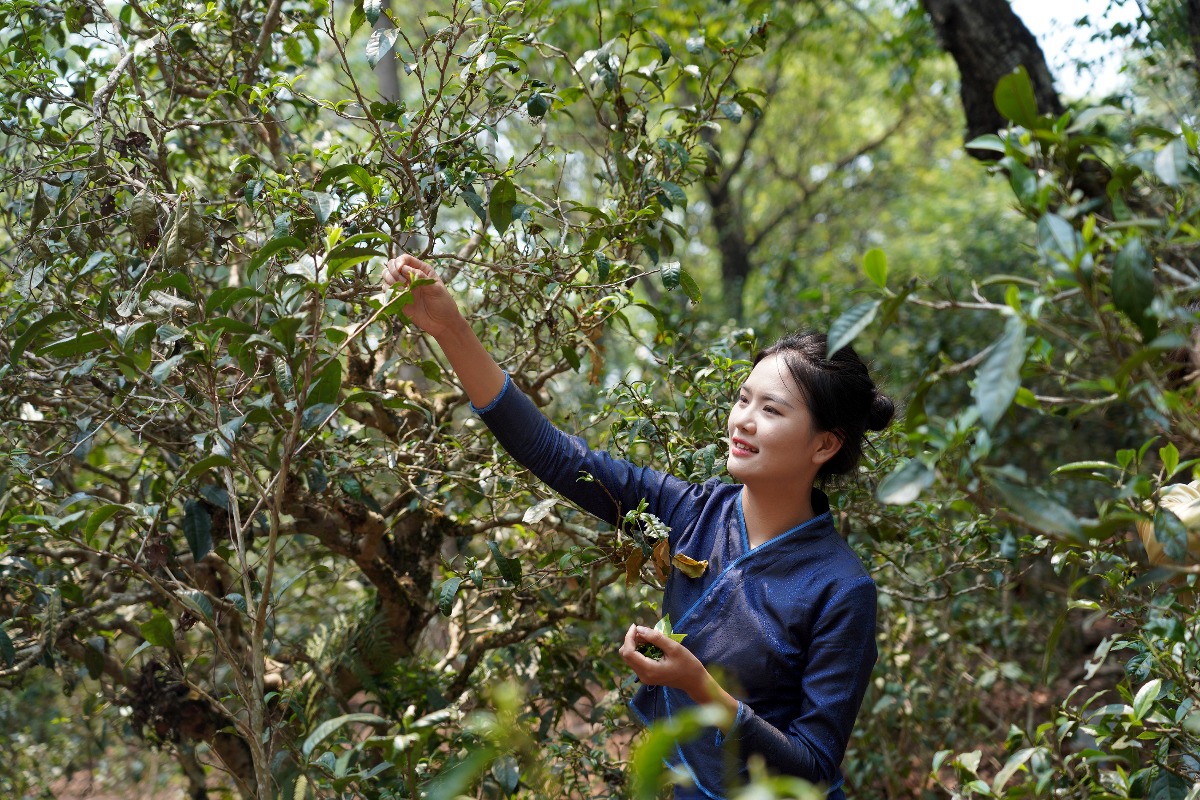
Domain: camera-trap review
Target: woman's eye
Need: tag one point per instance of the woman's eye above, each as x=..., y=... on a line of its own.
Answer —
x=770, y=410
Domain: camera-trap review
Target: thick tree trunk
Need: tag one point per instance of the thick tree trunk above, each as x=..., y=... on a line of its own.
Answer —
x=386, y=71
x=1192, y=9
x=732, y=243
x=988, y=41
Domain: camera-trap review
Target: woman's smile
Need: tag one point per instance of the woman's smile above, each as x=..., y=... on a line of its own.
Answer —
x=772, y=438
x=740, y=448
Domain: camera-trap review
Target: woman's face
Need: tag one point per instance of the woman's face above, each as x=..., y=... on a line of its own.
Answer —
x=772, y=438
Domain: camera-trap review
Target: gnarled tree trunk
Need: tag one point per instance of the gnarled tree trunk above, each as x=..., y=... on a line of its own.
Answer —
x=988, y=41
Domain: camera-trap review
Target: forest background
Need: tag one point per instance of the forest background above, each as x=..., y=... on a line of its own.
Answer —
x=254, y=545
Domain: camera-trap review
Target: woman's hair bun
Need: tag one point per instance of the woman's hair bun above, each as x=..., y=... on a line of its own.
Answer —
x=881, y=413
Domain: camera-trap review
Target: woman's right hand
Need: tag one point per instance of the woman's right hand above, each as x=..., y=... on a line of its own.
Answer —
x=432, y=309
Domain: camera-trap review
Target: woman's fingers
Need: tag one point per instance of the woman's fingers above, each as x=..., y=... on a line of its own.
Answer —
x=656, y=638
x=632, y=658
x=404, y=269
x=629, y=645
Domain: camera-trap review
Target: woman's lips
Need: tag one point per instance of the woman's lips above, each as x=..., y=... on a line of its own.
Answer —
x=741, y=448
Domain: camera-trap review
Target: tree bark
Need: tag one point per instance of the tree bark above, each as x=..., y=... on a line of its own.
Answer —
x=731, y=241
x=988, y=41
x=387, y=70
x=1192, y=10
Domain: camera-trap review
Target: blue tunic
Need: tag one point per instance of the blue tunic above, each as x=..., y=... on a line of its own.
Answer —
x=787, y=627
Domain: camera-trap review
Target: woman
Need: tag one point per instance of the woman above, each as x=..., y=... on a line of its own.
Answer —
x=784, y=613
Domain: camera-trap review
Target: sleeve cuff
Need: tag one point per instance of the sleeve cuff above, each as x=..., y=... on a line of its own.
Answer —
x=496, y=399
x=733, y=729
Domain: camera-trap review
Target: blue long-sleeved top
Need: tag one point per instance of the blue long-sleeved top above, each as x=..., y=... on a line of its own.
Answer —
x=788, y=627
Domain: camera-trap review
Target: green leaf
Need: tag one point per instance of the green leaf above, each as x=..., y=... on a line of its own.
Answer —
x=431, y=370
x=357, y=20
x=969, y=761
x=1133, y=285
x=163, y=371
x=94, y=659
x=510, y=568
x=197, y=602
x=988, y=141
x=1076, y=466
x=1014, y=763
x=475, y=203
x=506, y=773
x=1057, y=240
x=1090, y=115
x=205, y=464
x=1168, y=786
x=371, y=10
x=1145, y=698
x=664, y=49
x=690, y=287
x=571, y=357
x=999, y=376
x=849, y=325
x=875, y=266
x=358, y=176
x=1172, y=534
x=905, y=484
x=669, y=274
x=323, y=204
x=673, y=194
x=197, y=528
x=380, y=44
x=1168, y=341
x=1169, y=455
x=731, y=110
x=537, y=105
x=319, y=414
x=455, y=779
x=500, y=204
x=1039, y=511
x=271, y=248
x=1171, y=163
x=294, y=51
x=328, y=385
x=74, y=345
x=1023, y=180
x=33, y=331
x=327, y=727
x=536, y=513
x=158, y=631
x=42, y=207
x=1014, y=98
x=446, y=595
x=99, y=517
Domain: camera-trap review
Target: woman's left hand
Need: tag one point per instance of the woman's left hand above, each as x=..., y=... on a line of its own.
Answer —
x=678, y=668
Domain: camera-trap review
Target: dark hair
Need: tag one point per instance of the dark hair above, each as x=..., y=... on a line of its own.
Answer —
x=839, y=393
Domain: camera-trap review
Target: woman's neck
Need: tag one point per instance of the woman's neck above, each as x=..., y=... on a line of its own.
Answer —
x=769, y=513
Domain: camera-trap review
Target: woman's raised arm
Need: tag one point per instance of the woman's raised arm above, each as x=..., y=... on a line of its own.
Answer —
x=434, y=311
x=604, y=486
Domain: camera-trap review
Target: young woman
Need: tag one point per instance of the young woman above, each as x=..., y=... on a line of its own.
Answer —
x=781, y=624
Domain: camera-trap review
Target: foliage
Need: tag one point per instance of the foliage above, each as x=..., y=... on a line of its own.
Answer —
x=248, y=518
x=1100, y=335
x=210, y=419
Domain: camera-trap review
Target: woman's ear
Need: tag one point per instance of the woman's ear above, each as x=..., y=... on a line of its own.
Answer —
x=827, y=446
